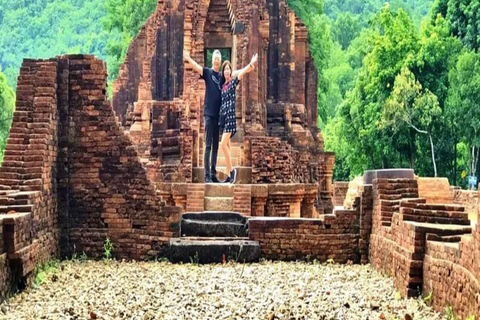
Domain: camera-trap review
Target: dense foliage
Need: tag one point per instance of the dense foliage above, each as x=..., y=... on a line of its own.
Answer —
x=398, y=81
x=402, y=86
x=7, y=101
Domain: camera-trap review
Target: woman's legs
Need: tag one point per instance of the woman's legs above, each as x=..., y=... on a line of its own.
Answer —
x=225, y=144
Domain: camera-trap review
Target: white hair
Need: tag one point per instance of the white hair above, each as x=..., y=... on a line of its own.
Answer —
x=217, y=52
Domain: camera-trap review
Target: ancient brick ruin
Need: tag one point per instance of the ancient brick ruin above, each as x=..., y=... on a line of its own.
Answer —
x=79, y=168
x=159, y=100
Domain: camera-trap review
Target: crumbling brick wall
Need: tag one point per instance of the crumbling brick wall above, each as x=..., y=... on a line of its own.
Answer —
x=28, y=200
x=71, y=177
x=336, y=237
x=340, y=189
x=468, y=199
x=109, y=194
x=426, y=247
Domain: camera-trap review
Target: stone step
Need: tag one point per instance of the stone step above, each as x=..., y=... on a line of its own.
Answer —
x=434, y=213
x=218, y=203
x=202, y=228
x=432, y=206
x=208, y=250
x=434, y=237
x=219, y=190
x=441, y=229
x=16, y=208
x=244, y=175
x=224, y=215
x=214, y=224
x=439, y=220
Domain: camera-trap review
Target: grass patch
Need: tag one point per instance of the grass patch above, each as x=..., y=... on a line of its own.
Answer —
x=43, y=271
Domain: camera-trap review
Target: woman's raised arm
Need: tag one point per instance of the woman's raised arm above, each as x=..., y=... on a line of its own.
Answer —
x=248, y=68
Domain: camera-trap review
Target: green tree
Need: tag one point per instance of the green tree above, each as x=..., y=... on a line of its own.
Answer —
x=346, y=28
x=42, y=29
x=7, y=105
x=409, y=105
x=123, y=20
x=463, y=19
x=463, y=103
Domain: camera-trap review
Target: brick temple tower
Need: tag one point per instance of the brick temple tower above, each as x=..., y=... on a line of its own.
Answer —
x=159, y=99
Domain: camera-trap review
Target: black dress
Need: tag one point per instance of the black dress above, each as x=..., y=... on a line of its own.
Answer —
x=228, y=120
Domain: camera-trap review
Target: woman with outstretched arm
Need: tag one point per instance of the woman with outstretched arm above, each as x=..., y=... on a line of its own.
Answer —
x=227, y=120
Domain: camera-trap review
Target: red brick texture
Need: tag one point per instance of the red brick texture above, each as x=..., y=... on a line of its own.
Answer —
x=426, y=247
x=340, y=189
x=341, y=236
x=336, y=237
x=28, y=202
x=276, y=110
x=66, y=194
x=109, y=192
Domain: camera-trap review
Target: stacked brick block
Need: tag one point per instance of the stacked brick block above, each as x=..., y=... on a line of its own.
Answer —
x=28, y=204
x=272, y=160
x=435, y=190
x=340, y=189
x=451, y=275
x=468, y=199
x=242, y=199
x=402, y=225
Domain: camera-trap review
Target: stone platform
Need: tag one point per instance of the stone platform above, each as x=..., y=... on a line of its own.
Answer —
x=278, y=200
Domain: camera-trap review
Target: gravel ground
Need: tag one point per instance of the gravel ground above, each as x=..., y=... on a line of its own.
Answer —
x=266, y=290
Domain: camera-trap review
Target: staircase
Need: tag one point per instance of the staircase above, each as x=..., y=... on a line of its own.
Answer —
x=213, y=237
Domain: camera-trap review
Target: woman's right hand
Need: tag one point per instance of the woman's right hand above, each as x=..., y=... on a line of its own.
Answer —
x=254, y=59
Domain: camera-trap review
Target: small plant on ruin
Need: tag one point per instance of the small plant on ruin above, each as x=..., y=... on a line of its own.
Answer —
x=83, y=257
x=195, y=259
x=237, y=255
x=43, y=271
x=74, y=255
x=449, y=314
x=429, y=298
x=398, y=296
x=161, y=259
x=108, y=248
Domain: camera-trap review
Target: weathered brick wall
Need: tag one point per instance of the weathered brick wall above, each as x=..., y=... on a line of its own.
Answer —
x=468, y=199
x=451, y=268
x=435, y=190
x=28, y=202
x=451, y=274
x=336, y=237
x=342, y=236
x=272, y=160
x=66, y=194
x=109, y=193
x=394, y=244
x=410, y=235
x=340, y=189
